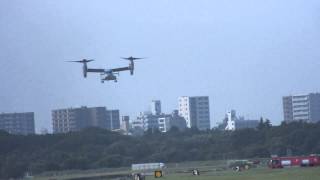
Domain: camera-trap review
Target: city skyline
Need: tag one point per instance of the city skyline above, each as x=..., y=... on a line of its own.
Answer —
x=155, y=109
x=243, y=55
x=152, y=106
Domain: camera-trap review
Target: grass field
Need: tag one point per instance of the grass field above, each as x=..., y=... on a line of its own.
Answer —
x=209, y=170
x=253, y=174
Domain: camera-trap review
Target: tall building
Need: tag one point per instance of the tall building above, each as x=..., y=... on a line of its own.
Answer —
x=125, y=124
x=287, y=108
x=113, y=119
x=75, y=119
x=97, y=117
x=163, y=122
x=146, y=121
x=156, y=107
x=166, y=122
x=195, y=111
x=304, y=107
x=17, y=123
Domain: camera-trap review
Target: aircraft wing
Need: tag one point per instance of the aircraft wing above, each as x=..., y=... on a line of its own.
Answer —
x=120, y=69
x=96, y=70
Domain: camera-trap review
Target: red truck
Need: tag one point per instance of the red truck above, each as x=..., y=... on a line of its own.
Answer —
x=281, y=162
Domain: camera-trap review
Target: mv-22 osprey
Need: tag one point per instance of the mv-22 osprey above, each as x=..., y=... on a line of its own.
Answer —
x=107, y=74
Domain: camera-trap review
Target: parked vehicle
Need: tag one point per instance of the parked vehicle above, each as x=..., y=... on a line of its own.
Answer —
x=281, y=162
x=147, y=166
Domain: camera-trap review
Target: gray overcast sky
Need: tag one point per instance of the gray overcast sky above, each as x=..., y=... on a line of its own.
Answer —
x=244, y=54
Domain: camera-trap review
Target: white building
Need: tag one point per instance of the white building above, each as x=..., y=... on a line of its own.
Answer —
x=162, y=122
x=195, y=111
x=166, y=122
x=231, y=120
x=146, y=121
x=304, y=107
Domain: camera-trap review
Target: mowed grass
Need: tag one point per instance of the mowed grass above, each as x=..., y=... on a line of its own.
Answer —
x=209, y=170
x=294, y=173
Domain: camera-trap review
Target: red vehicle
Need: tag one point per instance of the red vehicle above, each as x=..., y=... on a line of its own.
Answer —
x=281, y=162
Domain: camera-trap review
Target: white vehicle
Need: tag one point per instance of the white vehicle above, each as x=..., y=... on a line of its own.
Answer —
x=147, y=166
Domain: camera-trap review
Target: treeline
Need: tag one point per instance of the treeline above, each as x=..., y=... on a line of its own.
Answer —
x=97, y=148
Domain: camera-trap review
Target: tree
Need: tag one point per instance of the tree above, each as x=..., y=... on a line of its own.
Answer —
x=261, y=124
x=96, y=148
x=264, y=124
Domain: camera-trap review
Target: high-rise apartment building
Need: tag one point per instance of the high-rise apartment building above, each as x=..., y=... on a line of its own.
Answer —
x=97, y=117
x=305, y=107
x=156, y=107
x=166, y=122
x=125, y=123
x=195, y=111
x=146, y=121
x=17, y=123
x=75, y=119
x=113, y=119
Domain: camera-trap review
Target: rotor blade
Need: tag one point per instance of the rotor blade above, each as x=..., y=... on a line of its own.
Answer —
x=74, y=61
x=132, y=58
x=82, y=61
x=139, y=58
